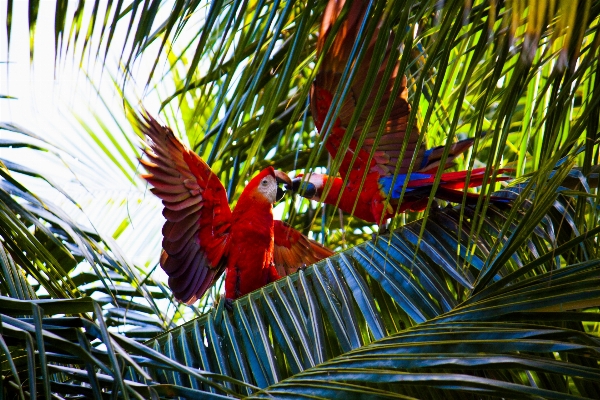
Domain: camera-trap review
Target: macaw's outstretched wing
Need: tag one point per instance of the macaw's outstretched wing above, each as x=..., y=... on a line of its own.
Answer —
x=293, y=250
x=389, y=147
x=196, y=208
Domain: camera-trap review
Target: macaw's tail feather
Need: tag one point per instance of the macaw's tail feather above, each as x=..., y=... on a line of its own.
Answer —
x=456, y=196
x=455, y=180
x=452, y=196
x=431, y=158
x=449, y=189
x=416, y=199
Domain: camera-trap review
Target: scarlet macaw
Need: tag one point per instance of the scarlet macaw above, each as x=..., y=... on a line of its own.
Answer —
x=202, y=237
x=368, y=203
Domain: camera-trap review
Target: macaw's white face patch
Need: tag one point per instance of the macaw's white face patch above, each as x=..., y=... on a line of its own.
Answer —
x=268, y=188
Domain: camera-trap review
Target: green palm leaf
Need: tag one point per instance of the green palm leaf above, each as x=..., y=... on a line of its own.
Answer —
x=350, y=324
x=44, y=250
x=471, y=302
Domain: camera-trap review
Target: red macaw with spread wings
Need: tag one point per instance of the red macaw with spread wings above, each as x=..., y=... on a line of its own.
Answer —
x=202, y=237
x=368, y=202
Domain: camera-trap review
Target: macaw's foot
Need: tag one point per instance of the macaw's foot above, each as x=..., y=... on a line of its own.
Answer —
x=228, y=304
x=435, y=206
x=383, y=230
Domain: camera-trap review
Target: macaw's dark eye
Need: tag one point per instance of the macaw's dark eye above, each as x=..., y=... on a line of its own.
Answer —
x=265, y=182
x=280, y=194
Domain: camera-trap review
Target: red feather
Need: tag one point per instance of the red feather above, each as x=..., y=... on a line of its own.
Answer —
x=376, y=157
x=202, y=238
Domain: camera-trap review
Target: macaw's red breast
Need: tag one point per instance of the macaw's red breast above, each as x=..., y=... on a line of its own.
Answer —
x=250, y=257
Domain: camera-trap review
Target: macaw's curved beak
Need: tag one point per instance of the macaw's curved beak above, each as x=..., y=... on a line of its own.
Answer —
x=281, y=177
x=305, y=189
x=279, y=195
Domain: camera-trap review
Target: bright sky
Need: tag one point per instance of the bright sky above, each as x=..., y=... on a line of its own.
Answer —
x=47, y=104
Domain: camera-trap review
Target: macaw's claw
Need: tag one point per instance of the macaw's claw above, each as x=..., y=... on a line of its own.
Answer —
x=383, y=230
x=228, y=304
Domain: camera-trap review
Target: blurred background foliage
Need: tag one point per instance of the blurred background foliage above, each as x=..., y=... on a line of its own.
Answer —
x=232, y=80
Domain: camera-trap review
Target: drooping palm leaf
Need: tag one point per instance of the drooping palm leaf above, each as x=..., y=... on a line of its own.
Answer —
x=465, y=360
x=45, y=253
x=386, y=317
x=358, y=298
x=61, y=343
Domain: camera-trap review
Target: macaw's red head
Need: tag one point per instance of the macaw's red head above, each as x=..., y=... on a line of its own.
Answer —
x=310, y=187
x=264, y=187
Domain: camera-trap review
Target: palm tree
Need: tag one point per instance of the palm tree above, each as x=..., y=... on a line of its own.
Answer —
x=459, y=301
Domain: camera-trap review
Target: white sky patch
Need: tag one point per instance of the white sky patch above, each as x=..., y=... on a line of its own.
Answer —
x=278, y=210
x=55, y=104
x=271, y=153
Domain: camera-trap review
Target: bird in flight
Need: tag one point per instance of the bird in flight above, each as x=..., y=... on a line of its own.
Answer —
x=203, y=237
x=371, y=192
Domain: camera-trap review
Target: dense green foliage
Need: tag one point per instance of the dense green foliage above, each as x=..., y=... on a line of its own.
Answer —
x=471, y=302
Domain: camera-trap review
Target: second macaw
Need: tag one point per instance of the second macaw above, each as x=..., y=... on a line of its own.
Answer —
x=368, y=200
x=202, y=237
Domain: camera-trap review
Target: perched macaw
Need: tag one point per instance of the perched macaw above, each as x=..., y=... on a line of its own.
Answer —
x=202, y=237
x=368, y=202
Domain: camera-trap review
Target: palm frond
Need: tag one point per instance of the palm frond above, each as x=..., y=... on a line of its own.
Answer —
x=39, y=345
x=396, y=312
x=45, y=253
x=402, y=318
